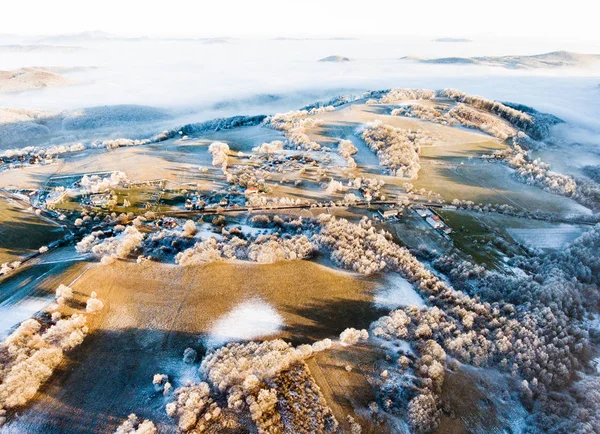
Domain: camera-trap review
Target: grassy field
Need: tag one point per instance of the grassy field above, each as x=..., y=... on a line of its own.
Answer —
x=477, y=401
x=153, y=312
x=474, y=237
x=23, y=232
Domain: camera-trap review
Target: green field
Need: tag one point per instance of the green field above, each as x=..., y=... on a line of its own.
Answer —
x=23, y=232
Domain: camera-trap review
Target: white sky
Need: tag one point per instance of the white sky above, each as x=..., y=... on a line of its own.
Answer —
x=573, y=20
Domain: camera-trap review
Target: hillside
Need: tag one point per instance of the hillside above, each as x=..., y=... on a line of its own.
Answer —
x=555, y=59
x=335, y=59
x=19, y=80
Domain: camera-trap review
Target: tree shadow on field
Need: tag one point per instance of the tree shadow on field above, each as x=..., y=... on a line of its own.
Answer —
x=378, y=109
x=338, y=130
x=106, y=378
x=30, y=232
x=328, y=318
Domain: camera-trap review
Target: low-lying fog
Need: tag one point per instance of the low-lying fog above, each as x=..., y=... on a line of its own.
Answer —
x=201, y=79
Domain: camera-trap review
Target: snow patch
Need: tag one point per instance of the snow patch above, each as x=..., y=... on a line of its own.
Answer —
x=396, y=291
x=249, y=320
x=12, y=314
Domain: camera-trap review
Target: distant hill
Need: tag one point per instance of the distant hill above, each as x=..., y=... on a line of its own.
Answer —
x=15, y=48
x=333, y=38
x=555, y=59
x=451, y=40
x=77, y=37
x=335, y=59
x=19, y=80
x=216, y=40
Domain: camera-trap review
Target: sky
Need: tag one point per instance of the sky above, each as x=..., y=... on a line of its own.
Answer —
x=534, y=19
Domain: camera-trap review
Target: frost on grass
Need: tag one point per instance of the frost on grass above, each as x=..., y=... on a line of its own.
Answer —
x=396, y=292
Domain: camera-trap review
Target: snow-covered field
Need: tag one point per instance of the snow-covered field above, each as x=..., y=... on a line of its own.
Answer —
x=546, y=238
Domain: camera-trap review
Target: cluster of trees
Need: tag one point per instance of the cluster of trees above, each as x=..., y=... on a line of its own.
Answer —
x=247, y=176
x=538, y=340
x=535, y=172
x=489, y=207
x=334, y=186
x=8, y=267
x=266, y=380
x=261, y=201
x=270, y=147
x=93, y=304
x=419, y=376
x=347, y=149
x=296, y=124
x=244, y=366
x=517, y=118
x=302, y=406
x=30, y=354
x=211, y=250
x=265, y=249
x=220, y=154
x=552, y=302
x=336, y=101
x=347, y=247
x=133, y=425
x=394, y=96
x=63, y=294
x=109, y=249
x=100, y=184
x=161, y=383
x=352, y=336
x=231, y=242
x=38, y=152
x=271, y=249
x=269, y=380
x=431, y=114
x=396, y=148
x=473, y=118
x=194, y=408
x=521, y=117
x=42, y=152
x=370, y=188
